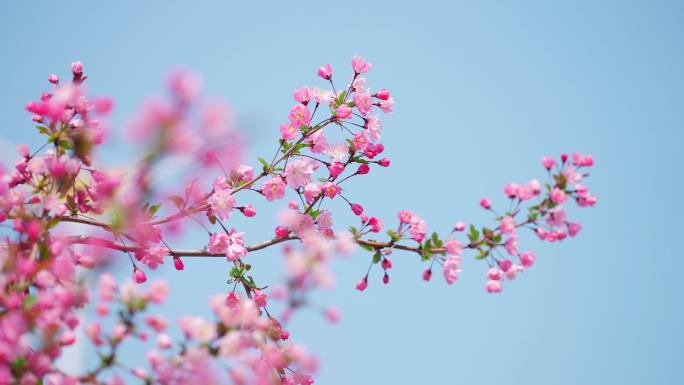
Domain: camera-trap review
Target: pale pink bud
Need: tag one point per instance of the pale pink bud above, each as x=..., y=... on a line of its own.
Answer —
x=52, y=78
x=77, y=67
x=548, y=162
x=527, y=259
x=332, y=314
x=459, y=226
x=494, y=286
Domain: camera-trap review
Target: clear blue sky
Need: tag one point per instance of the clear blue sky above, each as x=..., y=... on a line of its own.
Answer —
x=483, y=90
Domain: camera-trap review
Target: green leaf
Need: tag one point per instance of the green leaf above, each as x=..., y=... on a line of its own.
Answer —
x=29, y=301
x=43, y=130
x=153, y=209
x=474, y=235
x=353, y=230
x=377, y=257
x=264, y=163
x=482, y=254
x=366, y=247
x=66, y=144
x=395, y=237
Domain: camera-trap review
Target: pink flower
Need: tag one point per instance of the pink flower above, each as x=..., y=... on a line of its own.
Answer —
x=273, y=188
x=373, y=127
x=232, y=300
x=418, y=228
x=330, y=189
x=574, y=228
x=527, y=258
x=364, y=103
x=454, y=247
x=336, y=169
x=311, y=191
x=343, y=112
x=152, y=256
x=548, y=162
x=338, y=151
x=299, y=115
x=302, y=95
x=185, y=85
x=231, y=244
x=288, y=131
x=387, y=106
x=485, y=203
x=451, y=269
x=511, y=190
x=362, y=284
x=494, y=274
x=405, y=216
x=507, y=225
x=259, y=297
x=558, y=196
x=332, y=314
x=581, y=160
x=298, y=173
x=77, y=67
x=325, y=72
x=360, y=66
x=493, y=286
x=221, y=201
x=324, y=220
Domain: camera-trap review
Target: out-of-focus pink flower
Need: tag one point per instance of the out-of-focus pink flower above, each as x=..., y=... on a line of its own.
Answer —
x=360, y=66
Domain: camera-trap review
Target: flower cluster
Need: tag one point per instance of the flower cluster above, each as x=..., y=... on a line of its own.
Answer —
x=63, y=214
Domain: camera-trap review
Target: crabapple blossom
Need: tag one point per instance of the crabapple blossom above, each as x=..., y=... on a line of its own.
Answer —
x=66, y=217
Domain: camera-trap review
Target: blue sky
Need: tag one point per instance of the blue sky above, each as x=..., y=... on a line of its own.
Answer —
x=483, y=90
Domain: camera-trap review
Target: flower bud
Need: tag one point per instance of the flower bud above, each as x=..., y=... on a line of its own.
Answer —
x=357, y=208
x=363, y=169
x=383, y=94
x=325, y=72
x=139, y=276
x=178, y=263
